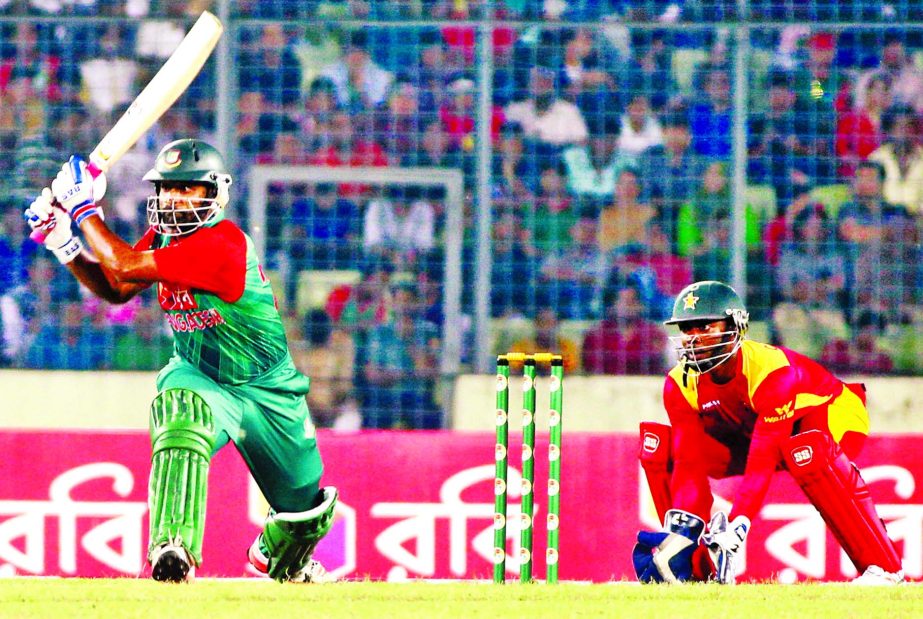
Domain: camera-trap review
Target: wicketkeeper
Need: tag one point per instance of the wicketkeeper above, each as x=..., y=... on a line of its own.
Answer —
x=738, y=407
x=231, y=378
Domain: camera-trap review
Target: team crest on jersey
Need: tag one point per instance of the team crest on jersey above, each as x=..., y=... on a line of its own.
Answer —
x=175, y=298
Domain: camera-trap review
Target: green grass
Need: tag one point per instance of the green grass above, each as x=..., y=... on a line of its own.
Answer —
x=110, y=599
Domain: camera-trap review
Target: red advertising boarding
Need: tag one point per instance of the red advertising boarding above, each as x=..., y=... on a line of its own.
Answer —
x=413, y=505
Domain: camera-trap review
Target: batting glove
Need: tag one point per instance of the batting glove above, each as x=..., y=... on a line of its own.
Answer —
x=77, y=190
x=54, y=226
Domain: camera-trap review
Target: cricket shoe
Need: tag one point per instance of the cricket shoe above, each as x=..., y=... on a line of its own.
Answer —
x=312, y=572
x=172, y=563
x=876, y=576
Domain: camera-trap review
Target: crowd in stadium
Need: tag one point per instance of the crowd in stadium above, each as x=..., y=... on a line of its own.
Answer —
x=611, y=180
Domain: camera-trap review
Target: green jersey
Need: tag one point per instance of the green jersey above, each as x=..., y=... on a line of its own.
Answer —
x=221, y=308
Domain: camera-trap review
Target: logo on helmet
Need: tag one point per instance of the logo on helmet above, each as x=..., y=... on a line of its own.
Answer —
x=689, y=301
x=172, y=158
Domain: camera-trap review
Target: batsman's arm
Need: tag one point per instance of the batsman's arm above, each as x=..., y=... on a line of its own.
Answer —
x=121, y=271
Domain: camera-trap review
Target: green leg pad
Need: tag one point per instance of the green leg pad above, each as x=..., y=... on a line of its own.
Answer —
x=290, y=538
x=182, y=438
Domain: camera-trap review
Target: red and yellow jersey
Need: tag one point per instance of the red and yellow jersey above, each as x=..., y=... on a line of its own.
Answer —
x=772, y=390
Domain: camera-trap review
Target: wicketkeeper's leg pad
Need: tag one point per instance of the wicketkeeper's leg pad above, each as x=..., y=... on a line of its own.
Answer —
x=182, y=439
x=655, y=455
x=289, y=539
x=835, y=487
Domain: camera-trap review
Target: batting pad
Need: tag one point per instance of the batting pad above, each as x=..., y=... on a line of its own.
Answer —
x=654, y=453
x=182, y=439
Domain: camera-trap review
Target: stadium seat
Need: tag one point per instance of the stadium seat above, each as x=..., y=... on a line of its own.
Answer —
x=314, y=287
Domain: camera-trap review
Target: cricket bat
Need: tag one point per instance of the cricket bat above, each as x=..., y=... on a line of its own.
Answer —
x=162, y=91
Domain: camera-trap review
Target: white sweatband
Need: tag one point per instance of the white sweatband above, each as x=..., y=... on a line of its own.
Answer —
x=68, y=251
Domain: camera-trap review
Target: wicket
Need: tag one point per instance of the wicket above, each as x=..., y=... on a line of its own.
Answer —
x=501, y=448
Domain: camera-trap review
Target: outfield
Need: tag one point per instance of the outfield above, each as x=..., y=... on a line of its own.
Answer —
x=116, y=598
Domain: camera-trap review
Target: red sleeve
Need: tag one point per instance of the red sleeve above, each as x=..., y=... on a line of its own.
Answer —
x=689, y=485
x=146, y=241
x=212, y=259
x=774, y=403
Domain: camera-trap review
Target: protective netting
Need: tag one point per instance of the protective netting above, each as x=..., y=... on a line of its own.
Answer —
x=631, y=148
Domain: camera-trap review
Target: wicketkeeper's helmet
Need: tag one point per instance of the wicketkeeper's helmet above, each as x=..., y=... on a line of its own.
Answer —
x=193, y=161
x=704, y=302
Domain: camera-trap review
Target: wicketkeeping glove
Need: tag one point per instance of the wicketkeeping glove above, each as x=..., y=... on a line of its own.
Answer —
x=77, y=190
x=666, y=556
x=53, y=226
x=725, y=540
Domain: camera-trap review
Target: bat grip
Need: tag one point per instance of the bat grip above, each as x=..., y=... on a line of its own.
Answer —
x=38, y=236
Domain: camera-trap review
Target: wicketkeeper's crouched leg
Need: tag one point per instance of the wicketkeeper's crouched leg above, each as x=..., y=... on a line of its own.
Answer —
x=834, y=486
x=182, y=439
x=284, y=548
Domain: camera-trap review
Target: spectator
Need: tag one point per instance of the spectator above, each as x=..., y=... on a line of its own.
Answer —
x=329, y=355
x=779, y=229
x=878, y=236
x=624, y=342
x=811, y=279
x=650, y=68
x=698, y=217
x=514, y=267
x=400, y=367
x=710, y=118
x=582, y=66
x=361, y=85
x=901, y=156
x=316, y=118
x=906, y=79
x=671, y=172
x=366, y=303
x=323, y=232
x=640, y=128
x=861, y=353
x=458, y=111
x=400, y=224
x=146, y=344
x=515, y=171
x=435, y=149
x=69, y=342
x=623, y=224
x=860, y=131
x=272, y=69
x=593, y=167
x=786, y=137
x=554, y=213
x=31, y=53
x=572, y=274
x=110, y=76
x=348, y=147
x=399, y=123
x=549, y=339
x=658, y=273
x=23, y=112
x=544, y=116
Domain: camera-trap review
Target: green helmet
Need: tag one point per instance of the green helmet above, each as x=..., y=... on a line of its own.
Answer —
x=707, y=301
x=193, y=161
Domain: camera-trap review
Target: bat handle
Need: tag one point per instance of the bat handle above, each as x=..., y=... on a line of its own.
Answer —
x=93, y=169
x=38, y=236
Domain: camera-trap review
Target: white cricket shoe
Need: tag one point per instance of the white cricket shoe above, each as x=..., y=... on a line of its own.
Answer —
x=314, y=573
x=876, y=576
x=172, y=563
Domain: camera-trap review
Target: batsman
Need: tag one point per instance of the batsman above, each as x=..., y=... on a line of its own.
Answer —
x=231, y=378
x=739, y=407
